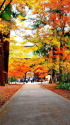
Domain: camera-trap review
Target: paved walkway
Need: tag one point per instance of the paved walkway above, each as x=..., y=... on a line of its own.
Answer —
x=36, y=106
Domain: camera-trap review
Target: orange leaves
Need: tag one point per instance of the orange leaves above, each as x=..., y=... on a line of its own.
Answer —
x=52, y=4
x=66, y=19
x=61, y=4
x=8, y=1
x=57, y=12
x=5, y=2
x=57, y=51
x=17, y=69
x=41, y=70
x=67, y=56
x=42, y=75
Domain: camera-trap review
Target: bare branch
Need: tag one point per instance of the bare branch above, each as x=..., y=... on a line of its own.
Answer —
x=2, y=4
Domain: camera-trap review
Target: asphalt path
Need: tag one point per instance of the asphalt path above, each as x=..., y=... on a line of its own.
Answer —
x=33, y=105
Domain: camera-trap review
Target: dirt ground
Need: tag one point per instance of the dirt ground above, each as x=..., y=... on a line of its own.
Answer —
x=7, y=91
x=53, y=87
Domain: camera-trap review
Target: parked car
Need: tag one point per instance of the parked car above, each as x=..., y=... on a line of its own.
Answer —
x=39, y=80
x=21, y=80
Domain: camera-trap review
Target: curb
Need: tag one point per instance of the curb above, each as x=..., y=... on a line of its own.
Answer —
x=13, y=96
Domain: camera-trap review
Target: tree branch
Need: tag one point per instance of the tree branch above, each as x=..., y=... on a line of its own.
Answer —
x=2, y=4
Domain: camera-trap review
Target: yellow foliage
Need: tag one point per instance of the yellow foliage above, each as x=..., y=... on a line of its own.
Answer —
x=21, y=17
x=54, y=41
x=4, y=27
x=65, y=67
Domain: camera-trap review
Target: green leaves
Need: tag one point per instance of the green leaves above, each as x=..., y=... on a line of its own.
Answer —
x=64, y=86
x=6, y=15
x=57, y=11
x=41, y=51
x=38, y=23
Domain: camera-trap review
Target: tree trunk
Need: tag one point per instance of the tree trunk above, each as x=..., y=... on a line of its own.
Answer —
x=6, y=57
x=4, y=54
x=61, y=60
x=53, y=61
x=1, y=61
x=35, y=76
x=53, y=76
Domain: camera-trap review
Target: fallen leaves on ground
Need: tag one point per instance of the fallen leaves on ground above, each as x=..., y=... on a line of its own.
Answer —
x=53, y=87
x=7, y=91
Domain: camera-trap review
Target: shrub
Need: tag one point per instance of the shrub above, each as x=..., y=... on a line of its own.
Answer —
x=64, y=86
x=12, y=79
x=65, y=77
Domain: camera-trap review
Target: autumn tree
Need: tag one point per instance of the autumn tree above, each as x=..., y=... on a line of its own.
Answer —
x=56, y=15
x=51, y=25
x=59, y=20
x=5, y=20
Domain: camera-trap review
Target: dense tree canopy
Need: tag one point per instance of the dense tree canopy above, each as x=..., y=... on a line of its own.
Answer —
x=49, y=27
